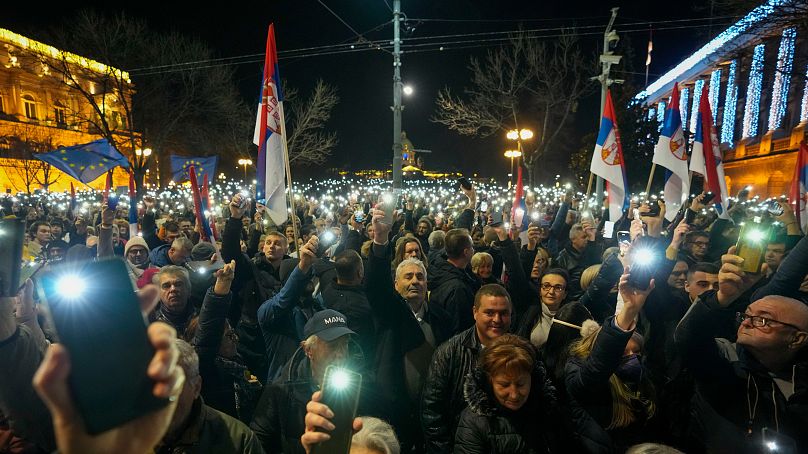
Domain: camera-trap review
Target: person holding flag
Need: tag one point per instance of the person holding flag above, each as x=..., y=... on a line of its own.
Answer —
x=707, y=160
x=608, y=162
x=671, y=153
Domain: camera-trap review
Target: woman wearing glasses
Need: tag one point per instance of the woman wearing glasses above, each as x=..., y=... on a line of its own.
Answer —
x=534, y=306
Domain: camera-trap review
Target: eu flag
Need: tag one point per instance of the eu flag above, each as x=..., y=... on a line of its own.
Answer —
x=85, y=162
x=202, y=166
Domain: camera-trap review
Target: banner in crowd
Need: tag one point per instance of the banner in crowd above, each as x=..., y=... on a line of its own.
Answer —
x=671, y=153
x=85, y=162
x=706, y=159
x=202, y=165
x=608, y=162
x=270, y=171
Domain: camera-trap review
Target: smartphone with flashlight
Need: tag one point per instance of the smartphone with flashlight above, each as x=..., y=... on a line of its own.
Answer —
x=204, y=266
x=483, y=206
x=751, y=246
x=387, y=203
x=464, y=183
x=341, y=389
x=774, y=441
x=12, y=236
x=708, y=197
x=624, y=236
x=496, y=219
x=97, y=317
x=643, y=263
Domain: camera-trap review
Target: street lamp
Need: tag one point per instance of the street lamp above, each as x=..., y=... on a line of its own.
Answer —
x=518, y=135
x=245, y=163
x=512, y=154
x=408, y=90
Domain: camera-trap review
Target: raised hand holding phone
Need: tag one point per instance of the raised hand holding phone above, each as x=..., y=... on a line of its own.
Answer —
x=318, y=423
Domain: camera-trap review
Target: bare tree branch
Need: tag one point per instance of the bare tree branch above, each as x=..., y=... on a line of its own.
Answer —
x=308, y=144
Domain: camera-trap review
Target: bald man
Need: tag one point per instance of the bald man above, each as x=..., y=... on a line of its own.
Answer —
x=760, y=381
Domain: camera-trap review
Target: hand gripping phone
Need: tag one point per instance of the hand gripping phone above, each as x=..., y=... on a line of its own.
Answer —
x=97, y=317
x=751, y=246
x=341, y=389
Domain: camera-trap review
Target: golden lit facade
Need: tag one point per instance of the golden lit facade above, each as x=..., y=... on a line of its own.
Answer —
x=757, y=93
x=39, y=112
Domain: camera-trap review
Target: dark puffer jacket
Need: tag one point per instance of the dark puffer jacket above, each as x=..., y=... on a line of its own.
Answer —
x=453, y=290
x=487, y=427
x=442, y=398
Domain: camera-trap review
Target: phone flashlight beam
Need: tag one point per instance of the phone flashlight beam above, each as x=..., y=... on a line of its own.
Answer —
x=70, y=286
x=340, y=379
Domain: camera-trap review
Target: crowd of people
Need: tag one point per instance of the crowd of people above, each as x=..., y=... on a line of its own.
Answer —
x=473, y=332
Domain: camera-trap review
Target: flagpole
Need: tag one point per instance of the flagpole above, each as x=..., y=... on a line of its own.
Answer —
x=650, y=180
x=289, y=176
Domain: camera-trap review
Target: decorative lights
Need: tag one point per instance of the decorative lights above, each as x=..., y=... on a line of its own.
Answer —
x=804, y=106
x=715, y=88
x=652, y=113
x=752, y=111
x=755, y=17
x=730, y=104
x=683, y=98
x=660, y=115
x=694, y=116
x=782, y=76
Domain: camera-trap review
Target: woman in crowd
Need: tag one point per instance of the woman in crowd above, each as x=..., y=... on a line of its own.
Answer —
x=511, y=403
x=482, y=265
x=408, y=247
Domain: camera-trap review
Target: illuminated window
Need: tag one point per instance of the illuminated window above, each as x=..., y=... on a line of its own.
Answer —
x=730, y=104
x=683, y=98
x=782, y=76
x=694, y=116
x=30, y=106
x=715, y=89
x=60, y=113
x=752, y=111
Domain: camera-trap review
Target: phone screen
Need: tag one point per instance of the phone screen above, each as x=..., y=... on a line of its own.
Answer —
x=751, y=246
x=12, y=235
x=341, y=389
x=496, y=219
x=97, y=317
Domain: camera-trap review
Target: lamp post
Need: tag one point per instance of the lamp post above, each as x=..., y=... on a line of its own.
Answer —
x=245, y=163
x=518, y=135
x=142, y=158
x=512, y=154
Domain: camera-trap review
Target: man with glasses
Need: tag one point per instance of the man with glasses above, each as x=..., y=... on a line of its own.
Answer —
x=696, y=246
x=753, y=390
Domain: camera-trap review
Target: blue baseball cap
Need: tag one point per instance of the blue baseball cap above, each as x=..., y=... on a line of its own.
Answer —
x=328, y=325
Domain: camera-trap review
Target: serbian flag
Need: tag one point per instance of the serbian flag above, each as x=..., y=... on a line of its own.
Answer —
x=201, y=220
x=518, y=217
x=799, y=187
x=205, y=199
x=670, y=152
x=270, y=176
x=72, y=199
x=132, y=206
x=608, y=162
x=706, y=159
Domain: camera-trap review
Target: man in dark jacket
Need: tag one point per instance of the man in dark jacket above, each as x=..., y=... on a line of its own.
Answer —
x=748, y=390
x=175, y=292
x=283, y=316
x=279, y=417
x=452, y=284
x=581, y=253
x=256, y=281
x=176, y=253
x=442, y=398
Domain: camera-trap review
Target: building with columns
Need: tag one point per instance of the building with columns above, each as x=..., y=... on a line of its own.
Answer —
x=758, y=93
x=41, y=110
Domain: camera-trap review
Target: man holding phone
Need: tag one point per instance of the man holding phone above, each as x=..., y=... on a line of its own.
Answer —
x=280, y=414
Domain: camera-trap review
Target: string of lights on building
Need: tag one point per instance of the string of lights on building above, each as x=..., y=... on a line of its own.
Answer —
x=715, y=87
x=782, y=77
x=663, y=106
x=730, y=104
x=804, y=105
x=694, y=116
x=683, y=98
x=752, y=110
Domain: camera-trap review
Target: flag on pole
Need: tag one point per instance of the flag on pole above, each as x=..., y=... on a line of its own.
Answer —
x=204, y=234
x=203, y=165
x=132, y=206
x=85, y=162
x=270, y=171
x=707, y=159
x=799, y=187
x=608, y=163
x=72, y=199
x=107, y=186
x=205, y=198
x=670, y=152
x=519, y=207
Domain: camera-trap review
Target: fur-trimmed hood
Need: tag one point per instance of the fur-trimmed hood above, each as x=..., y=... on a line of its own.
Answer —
x=480, y=398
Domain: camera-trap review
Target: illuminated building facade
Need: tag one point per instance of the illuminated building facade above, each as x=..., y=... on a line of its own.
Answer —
x=758, y=95
x=40, y=112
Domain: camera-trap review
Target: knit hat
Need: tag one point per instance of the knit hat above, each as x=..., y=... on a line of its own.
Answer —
x=135, y=241
x=202, y=251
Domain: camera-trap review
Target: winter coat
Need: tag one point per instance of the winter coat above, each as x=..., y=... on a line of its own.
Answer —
x=178, y=321
x=736, y=397
x=159, y=256
x=442, y=398
x=226, y=380
x=282, y=319
x=590, y=396
x=209, y=430
x=486, y=427
x=575, y=263
x=453, y=290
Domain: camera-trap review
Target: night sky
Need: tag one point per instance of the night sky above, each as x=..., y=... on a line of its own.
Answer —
x=363, y=120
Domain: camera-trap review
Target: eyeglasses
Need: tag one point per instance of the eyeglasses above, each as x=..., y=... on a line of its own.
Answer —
x=700, y=243
x=759, y=322
x=547, y=287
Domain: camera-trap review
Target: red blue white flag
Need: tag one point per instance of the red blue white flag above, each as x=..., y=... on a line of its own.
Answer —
x=608, y=162
x=707, y=159
x=799, y=187
x=270, y=171
x=670, y=152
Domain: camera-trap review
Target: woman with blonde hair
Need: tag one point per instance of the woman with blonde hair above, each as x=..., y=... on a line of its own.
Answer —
x=482, y=265
x=611, y=395
x=406, y=247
